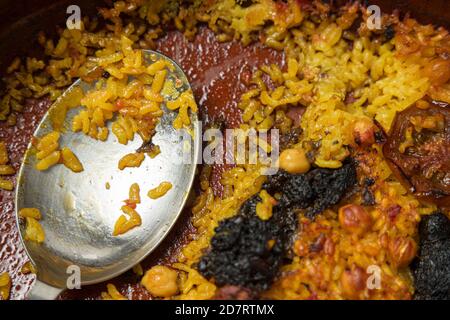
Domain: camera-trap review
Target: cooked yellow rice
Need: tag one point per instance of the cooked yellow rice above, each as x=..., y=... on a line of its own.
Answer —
x=33, y=229
x=112, y=293
x=5, y=285
x=5, y=168
x=160, y=190
x=127, y=221
x=383, y=82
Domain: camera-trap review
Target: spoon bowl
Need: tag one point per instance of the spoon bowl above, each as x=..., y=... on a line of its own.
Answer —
x=80, y=209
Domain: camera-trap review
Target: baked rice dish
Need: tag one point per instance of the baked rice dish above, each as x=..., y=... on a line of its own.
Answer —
x=360, y=206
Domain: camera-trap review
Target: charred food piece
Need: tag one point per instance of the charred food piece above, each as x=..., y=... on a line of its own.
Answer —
x=389, y=32
x=247, y=251
x=242, y=254
x=329, y=186
x=315, y=190
x=431, y=269
x=367, y=195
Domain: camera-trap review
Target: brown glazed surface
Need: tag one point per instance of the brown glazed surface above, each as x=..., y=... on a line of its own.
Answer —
x=218, y=74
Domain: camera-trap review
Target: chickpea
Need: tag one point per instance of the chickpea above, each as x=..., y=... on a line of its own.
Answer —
x=353, y=282
x=294, y=161
x=402, y=251
x=355, y=219
x=161, y=281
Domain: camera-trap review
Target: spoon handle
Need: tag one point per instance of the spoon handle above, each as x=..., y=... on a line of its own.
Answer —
x=42, y=291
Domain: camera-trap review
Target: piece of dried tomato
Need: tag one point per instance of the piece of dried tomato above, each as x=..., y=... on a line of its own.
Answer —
x=418, y=150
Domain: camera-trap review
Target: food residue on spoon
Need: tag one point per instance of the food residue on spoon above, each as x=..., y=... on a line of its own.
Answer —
x=49, y=154
x=33, y=230
x=160, y=190
x=127, y=221
x=130, y=218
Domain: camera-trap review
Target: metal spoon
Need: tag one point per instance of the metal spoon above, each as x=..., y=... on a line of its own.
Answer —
x=79, y=211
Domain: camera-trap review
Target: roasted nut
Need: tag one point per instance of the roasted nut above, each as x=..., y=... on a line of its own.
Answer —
x=161, y=281
x=402, y=251
x=353, y=282
x=437, y=71
x=364, y=132
x=329, y=247
x=355, y=219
